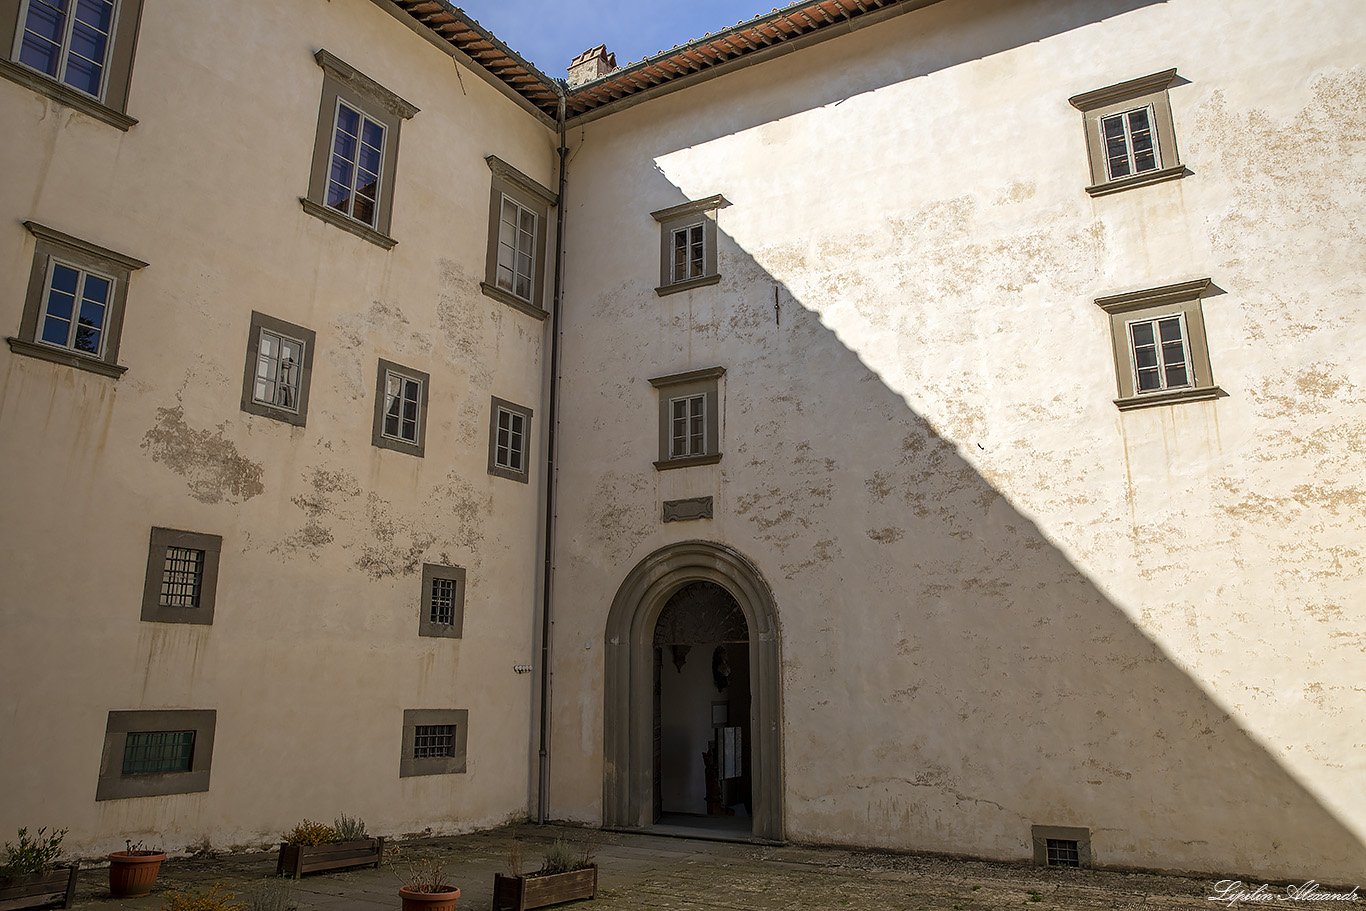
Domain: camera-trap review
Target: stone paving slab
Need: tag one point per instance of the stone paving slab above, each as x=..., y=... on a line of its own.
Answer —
x=639, y=872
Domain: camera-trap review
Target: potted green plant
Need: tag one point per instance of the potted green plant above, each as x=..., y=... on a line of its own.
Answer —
x=312, y=847
x=133, y=871
x=427, y=888
x=566, y=875
x=31, y=878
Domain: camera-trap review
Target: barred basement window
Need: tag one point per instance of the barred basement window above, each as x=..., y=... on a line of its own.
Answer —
x=441, y=607
x=180, y=580
x=182, y=576
x=159, y=751
x=432, y=741
x=1063, y=852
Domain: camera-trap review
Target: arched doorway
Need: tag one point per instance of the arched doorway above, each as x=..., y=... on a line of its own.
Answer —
x=629, y=785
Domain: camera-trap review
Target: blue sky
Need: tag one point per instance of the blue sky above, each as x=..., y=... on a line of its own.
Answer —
x=551, y=32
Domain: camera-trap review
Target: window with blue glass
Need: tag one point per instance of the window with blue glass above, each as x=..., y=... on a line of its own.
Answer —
x=77, y=293
x=357, y=154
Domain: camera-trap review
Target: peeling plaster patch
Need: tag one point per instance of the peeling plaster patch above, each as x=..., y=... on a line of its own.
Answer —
x=1016, y=192
x=886, y=535
x=462, y=313
x=622, y=513
x=823, y=552
x=209, y=462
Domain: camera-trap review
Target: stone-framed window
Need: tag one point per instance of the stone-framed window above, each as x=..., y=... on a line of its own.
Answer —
x=441, y=606
x=689, y=418
x=78, y=54
x=509, y=440
x=433, y=742
x=1130, y=136
x=156, y=752
x=73, y=311
x=1158, y=338
x=355, y=154
x=401, y=395
x=519, y=215
x=1061, y=846
x=687, y=245
x=279, y=368
x=182, y=576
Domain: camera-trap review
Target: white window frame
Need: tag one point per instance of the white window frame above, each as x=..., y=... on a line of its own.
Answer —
x=499, y=453
x=504, y=454
x=403, y=379
x=365, y=117
x=503, y=243
x=82, y=273
x=1155, y=322
x=690, y=259
x=65, y=52
x=298, y=370
x=1124, y=116
x=681, y=445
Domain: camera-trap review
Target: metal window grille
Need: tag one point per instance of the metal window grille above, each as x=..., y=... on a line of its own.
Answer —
x=688, y=433
x=279, y=370
x=357, y=155
x=158, y=751
x=75, y=309
x=516, y=249
x=689, y=255
x=1129, y=144
x=1063, y=852
x=69, y=41
x=443, y=601
x=402, y=403
x=510, y=449
x=182, y=576
x=434, y=741
x=1161, y=355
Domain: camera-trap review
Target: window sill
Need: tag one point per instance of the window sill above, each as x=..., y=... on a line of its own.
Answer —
x=512, y=300
x=333, y=217
x=688, y=461
x=297, y=418
x=1176, y=397
x=1137, y=180
x=665, y=290
x=65, y=357
x=65, y=95
x=412, y=449
x=512, y=475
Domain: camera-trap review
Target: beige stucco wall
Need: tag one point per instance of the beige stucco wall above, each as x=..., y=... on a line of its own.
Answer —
x=313, y=654
x=1016, y=604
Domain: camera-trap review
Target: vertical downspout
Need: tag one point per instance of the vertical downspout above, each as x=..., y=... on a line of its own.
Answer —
x=542, y=790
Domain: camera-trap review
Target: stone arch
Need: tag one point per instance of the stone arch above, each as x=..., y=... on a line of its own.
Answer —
x=628, y=679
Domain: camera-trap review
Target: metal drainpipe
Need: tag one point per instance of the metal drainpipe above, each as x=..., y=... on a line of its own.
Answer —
x=542, y=791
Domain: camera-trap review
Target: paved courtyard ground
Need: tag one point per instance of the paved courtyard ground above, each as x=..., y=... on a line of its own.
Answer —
x=656, y=873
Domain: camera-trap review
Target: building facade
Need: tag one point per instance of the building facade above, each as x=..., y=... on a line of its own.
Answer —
x=956, y=434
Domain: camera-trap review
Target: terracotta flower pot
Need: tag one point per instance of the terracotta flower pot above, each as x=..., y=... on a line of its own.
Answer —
x=429, y=901
x=131, y=873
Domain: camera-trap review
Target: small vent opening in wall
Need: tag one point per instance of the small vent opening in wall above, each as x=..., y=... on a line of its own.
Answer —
x=1063, y=852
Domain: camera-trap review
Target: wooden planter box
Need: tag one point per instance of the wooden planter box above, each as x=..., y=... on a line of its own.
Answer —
x=518, y=893
x=296, y=860
x=54, y=889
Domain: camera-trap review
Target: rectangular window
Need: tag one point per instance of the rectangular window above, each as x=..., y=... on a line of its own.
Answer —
x=401, y=396
x=278, y=370
x=161, y=751
x=182, y=575
x=519, y=210
x=441, y=605
x=73, y=311
x=1129, y=146
x=689, y=418
x=148, y=753
x=1062, y=852
x=1061, y=846
x=433, y=741
x=689, y=253
x=516, y=249
x=70, y=41
x=1130, y=134
x=688, y=433
x=1158, y=339
x=1161, y=359
x=509, y=440
x=355, y=152
x=357, y=160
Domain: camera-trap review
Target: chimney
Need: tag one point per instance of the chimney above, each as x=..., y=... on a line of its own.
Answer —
x=590, y=65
